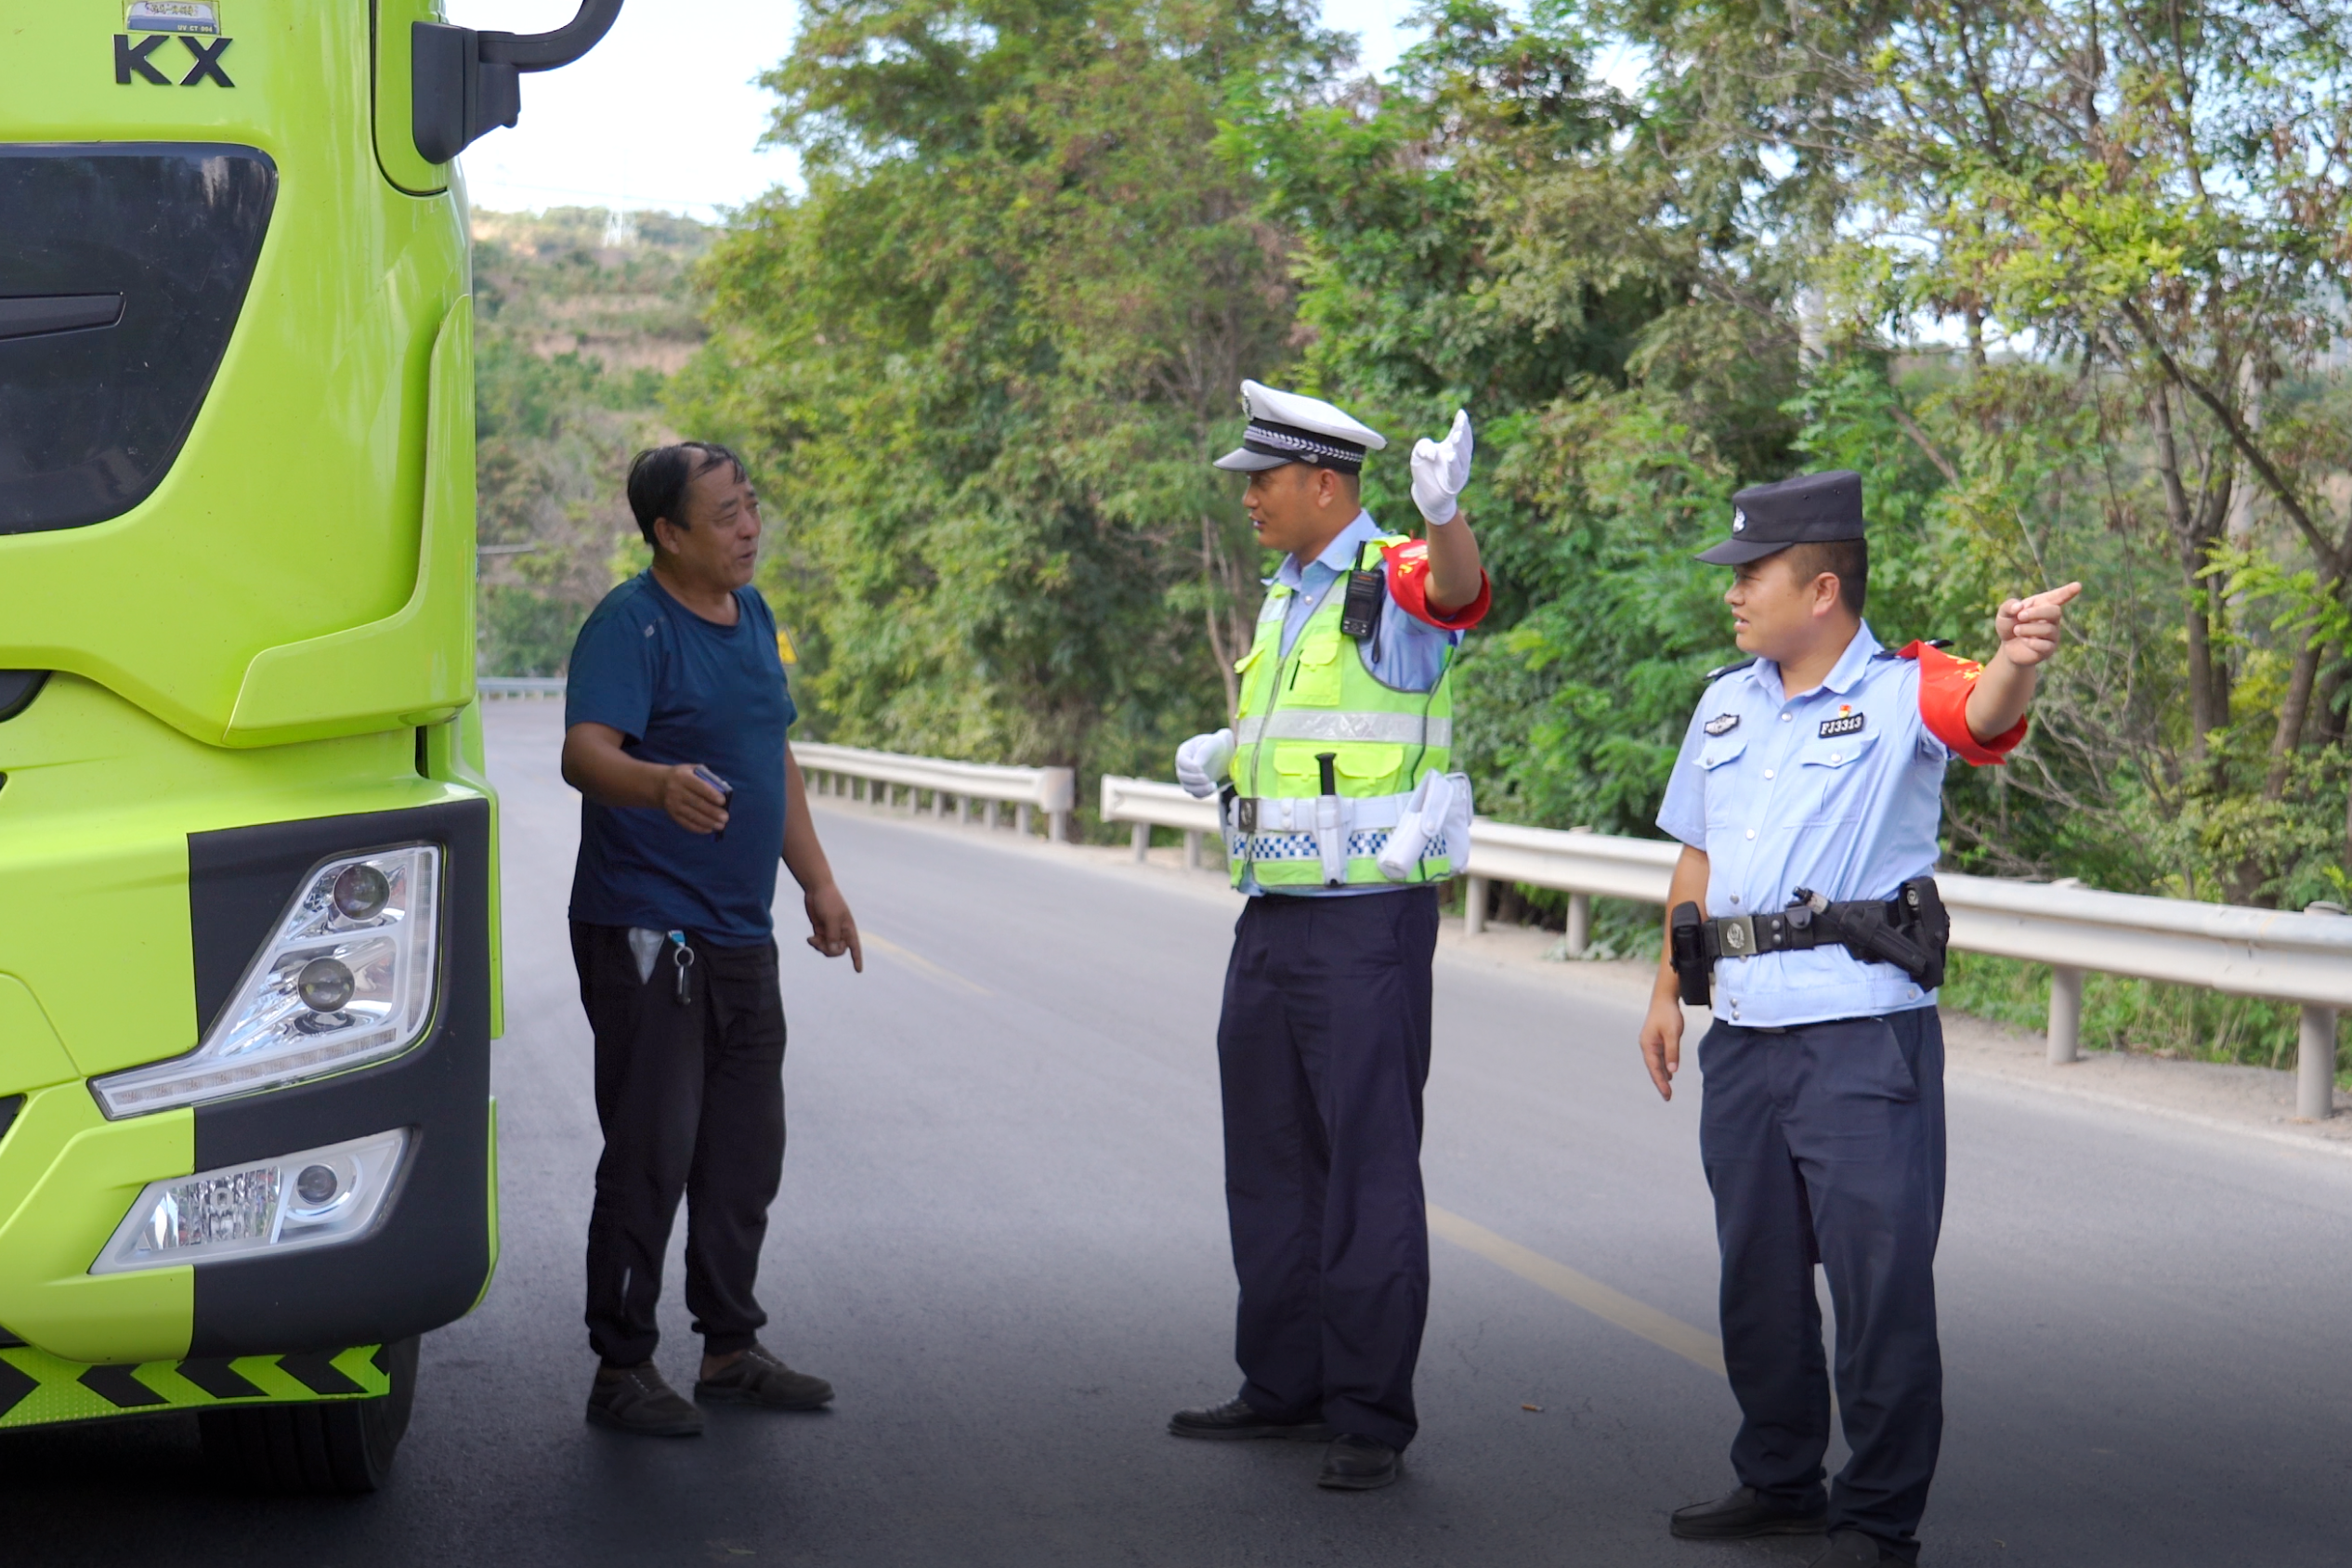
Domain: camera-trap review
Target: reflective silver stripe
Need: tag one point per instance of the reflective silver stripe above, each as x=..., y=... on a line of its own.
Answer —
x=1292, y=724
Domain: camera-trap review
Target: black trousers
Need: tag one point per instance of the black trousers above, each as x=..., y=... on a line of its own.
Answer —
x=690, y=1096
x=1323, y=1051
x=1825, y=1142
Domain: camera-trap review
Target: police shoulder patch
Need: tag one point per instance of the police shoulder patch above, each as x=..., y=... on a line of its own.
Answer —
x=1722, y=723
x=1845, y=724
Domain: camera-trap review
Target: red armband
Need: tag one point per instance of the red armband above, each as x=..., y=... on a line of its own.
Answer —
x=1944, y=685
x=1408, y=569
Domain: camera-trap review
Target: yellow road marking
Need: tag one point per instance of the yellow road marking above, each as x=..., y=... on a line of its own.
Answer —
x=1694, y=1345
x=922, y=965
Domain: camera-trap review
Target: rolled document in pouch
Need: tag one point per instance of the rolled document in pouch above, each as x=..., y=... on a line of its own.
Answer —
x=1330, y=838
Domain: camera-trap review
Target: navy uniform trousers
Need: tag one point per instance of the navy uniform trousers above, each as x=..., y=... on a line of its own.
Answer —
x=1323, y=1051
x=1825, y=1142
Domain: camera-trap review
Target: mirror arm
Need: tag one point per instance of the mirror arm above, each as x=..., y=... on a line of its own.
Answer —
x=465, y=84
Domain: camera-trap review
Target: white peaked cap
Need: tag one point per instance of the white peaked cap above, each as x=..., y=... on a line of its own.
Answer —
x=1291, y=428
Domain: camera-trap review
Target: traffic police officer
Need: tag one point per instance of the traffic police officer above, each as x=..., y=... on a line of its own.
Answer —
x=1341, y=818
x=1807, y=796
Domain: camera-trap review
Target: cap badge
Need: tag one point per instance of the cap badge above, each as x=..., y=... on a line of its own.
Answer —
x=1739, y=520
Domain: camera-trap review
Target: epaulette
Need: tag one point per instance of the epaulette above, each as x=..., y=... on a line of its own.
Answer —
x=1731, y=669
x=1937, y=643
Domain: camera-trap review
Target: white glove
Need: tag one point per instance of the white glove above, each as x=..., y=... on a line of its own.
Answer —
x=1440, y=469
x=1202, y=761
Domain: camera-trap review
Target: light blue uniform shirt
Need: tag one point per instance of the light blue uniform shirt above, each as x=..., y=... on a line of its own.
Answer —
x=1405, y=652
x=1840, y=791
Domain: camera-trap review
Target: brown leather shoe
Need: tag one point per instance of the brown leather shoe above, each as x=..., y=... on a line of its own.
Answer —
x=634, y=1399
x=757, y=1378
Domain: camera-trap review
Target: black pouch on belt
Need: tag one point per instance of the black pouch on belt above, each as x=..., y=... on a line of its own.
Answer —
x=1693, y=968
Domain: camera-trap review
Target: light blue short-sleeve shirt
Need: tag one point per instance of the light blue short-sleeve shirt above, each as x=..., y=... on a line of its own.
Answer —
x=1840, y=791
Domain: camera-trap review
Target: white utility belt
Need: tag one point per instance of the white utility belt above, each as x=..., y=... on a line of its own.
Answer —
x=1297, y=813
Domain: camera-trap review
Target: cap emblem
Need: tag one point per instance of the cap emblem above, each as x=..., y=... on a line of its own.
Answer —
x=1739, y=520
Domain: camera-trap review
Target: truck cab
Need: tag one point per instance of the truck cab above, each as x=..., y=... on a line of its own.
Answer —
x=249, y=968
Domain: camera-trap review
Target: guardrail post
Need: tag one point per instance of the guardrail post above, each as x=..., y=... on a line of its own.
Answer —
x=1473, y=905
x=1141, y=838
x=1192, y=849
x=2066, y=1014
x=939, y=805
x=1579, y=923
x=2315, y=1065
x=1057, y=826
x=1022, y=816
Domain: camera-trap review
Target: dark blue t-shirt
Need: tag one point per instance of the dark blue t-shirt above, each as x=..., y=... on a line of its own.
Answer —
x=683, y=690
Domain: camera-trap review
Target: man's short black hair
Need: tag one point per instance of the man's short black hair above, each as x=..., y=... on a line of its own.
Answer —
x=658, y=477
x=1845, y=559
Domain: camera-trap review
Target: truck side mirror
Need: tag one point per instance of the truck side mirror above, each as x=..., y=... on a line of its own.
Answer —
x=465, y=84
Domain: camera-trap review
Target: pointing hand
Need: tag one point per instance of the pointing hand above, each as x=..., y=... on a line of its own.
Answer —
x=2029, y=628
x=1440, y=469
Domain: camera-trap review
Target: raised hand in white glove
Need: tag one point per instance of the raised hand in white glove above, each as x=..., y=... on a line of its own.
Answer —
x=1440, y=469
x=1202, y=761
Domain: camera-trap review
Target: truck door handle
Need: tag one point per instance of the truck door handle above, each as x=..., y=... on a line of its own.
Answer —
x=37, y=315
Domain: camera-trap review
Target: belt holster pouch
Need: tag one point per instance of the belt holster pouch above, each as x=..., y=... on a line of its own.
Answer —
x=1331, y=832
x=1931, y=922
x=1686, y=936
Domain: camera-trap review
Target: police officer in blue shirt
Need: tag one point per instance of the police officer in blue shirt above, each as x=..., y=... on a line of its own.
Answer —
x=1807, y=794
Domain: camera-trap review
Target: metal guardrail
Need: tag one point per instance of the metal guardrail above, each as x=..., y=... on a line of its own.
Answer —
x=855, y=772
x=2304, y=958
x=519, y=685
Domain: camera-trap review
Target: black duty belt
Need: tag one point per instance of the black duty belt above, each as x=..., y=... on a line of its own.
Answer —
x=1910, y=931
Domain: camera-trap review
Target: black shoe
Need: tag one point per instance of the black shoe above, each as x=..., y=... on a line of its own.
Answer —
x=1742, y=1515
x=1358, y=1464
x=637, y=1400
x=1234, y=1420
x=757, y=1378
x=1852, y=1548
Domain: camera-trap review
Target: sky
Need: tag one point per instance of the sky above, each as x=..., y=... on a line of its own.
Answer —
x=665, y=112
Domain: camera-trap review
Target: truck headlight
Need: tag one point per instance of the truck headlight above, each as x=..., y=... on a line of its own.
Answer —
x=347, y=979
x=314, y=1198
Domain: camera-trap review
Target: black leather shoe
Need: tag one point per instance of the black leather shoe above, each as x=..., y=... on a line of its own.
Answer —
x=1358, y=1464
x=1852, y=1548
x=1234, y=1420
x=1742, y=1515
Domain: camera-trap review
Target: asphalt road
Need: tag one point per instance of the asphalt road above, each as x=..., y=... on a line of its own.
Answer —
x=1001, y=1236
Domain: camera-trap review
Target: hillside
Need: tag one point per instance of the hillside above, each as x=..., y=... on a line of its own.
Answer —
x=583, y=317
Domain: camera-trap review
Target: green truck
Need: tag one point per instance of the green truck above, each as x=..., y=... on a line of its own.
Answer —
x=249, y=968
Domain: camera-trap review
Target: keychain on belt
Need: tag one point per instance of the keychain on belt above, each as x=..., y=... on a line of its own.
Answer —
x=682, y=959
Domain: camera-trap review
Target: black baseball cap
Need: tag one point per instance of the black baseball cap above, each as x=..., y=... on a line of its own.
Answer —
x=1809, y=509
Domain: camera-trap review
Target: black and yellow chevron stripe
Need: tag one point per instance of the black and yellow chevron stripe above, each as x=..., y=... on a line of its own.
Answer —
x=38, y=1388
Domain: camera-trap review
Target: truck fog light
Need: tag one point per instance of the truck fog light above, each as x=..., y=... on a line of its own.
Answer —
x=324, y=986
x=315, y=1184
x=319, y=1198
x=347, y=978
x=360, y=892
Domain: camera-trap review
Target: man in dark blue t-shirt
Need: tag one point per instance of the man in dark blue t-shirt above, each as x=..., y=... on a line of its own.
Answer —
x=674, y=720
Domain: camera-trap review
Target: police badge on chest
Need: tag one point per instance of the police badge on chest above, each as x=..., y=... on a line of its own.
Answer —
x=1723, y=724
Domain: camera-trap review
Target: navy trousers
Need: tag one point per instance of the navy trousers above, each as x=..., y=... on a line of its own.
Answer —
x=1825, y=1143
x=1323, y=1051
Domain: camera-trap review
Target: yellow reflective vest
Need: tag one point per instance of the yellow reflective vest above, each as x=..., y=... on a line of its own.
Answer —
x=1323, y=702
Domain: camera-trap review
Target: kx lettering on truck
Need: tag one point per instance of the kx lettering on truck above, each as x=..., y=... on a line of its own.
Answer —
x=248, y=886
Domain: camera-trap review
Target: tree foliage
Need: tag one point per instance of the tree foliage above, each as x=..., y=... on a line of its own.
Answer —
x=2062, y=279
